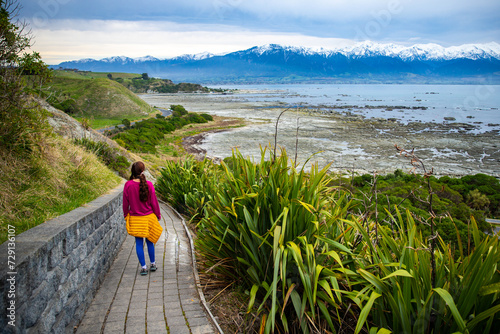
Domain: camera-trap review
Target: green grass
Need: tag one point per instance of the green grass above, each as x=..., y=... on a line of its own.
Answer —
x=171, y=150
x=56, y=178
x=92, y=75
x=133, y=81
x=100, y=123
x=96, y=97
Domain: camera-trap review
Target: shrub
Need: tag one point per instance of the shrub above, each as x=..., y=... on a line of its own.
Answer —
x=188, y=185
x=178, y=110
x=145, y=135
x=195, y=118
x=207, y=117
x=22, y=121
x=108, y=155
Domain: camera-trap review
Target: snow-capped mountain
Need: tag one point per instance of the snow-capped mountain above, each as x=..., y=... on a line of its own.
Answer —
x=198, y=56
x=417, y=51
x=360, y=62
x=424, y=51
x=127, y=60
x=144, y=59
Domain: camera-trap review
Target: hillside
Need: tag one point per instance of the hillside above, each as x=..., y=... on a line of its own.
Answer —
x=50, y=178
x=84, y=95
x=45, y=174
x=144, y=84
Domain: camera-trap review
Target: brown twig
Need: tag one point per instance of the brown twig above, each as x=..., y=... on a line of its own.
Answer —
x=296, y=142
x=276, y=132
x=416, y=162
x=221, y=291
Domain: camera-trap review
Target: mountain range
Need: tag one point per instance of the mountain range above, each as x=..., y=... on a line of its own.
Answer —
x=365, y=62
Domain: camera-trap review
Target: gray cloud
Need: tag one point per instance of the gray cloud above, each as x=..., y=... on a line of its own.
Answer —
x=123, y=9
x=222, y=22
x=315, y=17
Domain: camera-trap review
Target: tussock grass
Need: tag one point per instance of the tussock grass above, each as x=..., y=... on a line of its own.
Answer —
x=54, y=178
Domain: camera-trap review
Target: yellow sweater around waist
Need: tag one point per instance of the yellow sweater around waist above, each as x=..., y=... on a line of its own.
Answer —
x=144, y=227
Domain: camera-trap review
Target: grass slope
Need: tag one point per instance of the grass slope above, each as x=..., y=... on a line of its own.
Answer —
x=93, y=75
x=56, y=177
x=95, y=97
x=137, y=83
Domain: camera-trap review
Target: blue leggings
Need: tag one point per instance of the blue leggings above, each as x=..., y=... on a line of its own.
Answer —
x=139, y=247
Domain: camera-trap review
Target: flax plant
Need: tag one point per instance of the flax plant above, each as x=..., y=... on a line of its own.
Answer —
x=188, y=184
x=309, y=265
x=265, y=229
x=399, y=290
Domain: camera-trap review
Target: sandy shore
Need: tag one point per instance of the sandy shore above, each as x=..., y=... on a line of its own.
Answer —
x=346, y=141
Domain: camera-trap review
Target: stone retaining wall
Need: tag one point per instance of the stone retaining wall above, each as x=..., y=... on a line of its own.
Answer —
x=55, y=269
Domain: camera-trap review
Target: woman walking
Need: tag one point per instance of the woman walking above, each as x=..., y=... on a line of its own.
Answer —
x=142, y=213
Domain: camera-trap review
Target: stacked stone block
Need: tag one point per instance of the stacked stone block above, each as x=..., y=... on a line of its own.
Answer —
x=60, y=265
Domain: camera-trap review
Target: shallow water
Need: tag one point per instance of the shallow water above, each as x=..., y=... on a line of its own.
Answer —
x=319, y=127
x=477, y=105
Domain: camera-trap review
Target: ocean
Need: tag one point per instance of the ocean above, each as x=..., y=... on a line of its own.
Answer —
x=477, y=105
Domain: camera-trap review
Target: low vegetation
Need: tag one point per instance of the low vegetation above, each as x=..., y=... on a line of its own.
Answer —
x=145, y=136
x=110, y=156
x=310, y=261
x=56, y=177
x=137, y=83
x=455, y=200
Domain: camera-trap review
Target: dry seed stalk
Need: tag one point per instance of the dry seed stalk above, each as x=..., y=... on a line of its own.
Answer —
x=416, y=162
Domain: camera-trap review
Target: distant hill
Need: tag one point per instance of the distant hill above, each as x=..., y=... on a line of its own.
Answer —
x=94, y=95
x=365, y=62
x=144, y=84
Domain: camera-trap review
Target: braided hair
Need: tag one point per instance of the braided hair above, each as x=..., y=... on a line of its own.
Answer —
x=138, y=173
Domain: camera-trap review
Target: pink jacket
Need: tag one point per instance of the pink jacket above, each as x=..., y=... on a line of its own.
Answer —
x=132, y=204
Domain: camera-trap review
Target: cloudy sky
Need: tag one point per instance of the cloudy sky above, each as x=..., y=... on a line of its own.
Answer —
x=76, y=29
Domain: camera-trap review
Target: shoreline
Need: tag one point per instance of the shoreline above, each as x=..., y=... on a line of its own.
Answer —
x=349, y=141
x=192, y=144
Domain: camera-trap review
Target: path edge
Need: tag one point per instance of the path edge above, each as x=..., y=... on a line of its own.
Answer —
x=195, y=269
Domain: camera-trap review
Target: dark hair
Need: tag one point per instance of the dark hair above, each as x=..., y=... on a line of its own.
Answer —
x=137, y=173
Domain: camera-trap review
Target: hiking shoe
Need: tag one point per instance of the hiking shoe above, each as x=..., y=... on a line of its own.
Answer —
x=153, y=267
x=144, y=272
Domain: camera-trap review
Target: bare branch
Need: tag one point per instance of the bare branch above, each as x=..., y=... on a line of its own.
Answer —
x=296, y=141
x=276, y=131
x=416, y=162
